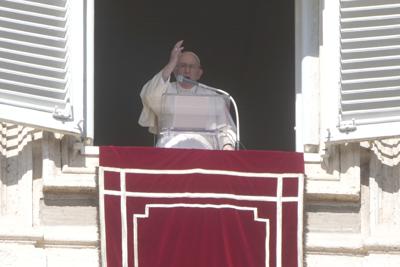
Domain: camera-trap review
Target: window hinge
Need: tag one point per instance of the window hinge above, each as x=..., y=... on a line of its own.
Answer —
x=347, y=126
x=65, y=114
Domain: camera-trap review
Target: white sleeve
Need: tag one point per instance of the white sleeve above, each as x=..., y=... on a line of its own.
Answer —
x=151, y=95
x=227, y=136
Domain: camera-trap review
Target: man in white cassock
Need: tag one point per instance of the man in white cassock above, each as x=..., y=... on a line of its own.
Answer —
x=181, y=64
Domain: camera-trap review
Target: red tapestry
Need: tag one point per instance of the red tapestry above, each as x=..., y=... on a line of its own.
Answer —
x=200, y=208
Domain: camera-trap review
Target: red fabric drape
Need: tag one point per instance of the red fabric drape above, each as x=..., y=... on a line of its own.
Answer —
x=200, y=208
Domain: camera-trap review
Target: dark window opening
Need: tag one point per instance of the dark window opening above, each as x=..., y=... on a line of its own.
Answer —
x=246, y=48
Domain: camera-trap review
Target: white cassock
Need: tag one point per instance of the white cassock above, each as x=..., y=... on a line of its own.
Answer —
x=151, y=95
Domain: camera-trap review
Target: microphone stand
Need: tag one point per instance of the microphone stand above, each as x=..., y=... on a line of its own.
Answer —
x=181, y=78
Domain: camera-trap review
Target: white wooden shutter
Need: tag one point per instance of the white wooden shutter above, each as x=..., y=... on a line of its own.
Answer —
x=370, y=69
x=42, y=64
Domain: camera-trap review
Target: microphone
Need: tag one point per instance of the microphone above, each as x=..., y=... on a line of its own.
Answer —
x=181, y=78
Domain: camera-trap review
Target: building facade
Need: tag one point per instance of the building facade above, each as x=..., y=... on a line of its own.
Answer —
x=347, y=115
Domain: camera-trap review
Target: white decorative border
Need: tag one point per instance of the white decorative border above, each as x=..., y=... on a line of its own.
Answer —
x=203, y=171
x=279, y=222
x=300, y=203
x=278, y=199
x=124, y=225
x=103, y=242
x=185, y=205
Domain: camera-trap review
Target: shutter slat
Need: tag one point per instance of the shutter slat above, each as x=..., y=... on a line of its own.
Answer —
x=378, y=48
x=390, y=116
x=11, y=87
x=34, y=8
x=59, y=3
x=372, y=38
x=360, y=3
x=375, y=63
x=392, y=112
x=32, y=79
x=363, y=28
x=33, y=59
x=35, y=105
x=35, y=49
x=373, y=7
x=32, y=38
x=33, y=89
x=371, y=52
x=32, y=27
x=370, y=93
x=369, y=42
x=365, y=84
x=370, y=11
x=370, y=73
x=18, y=98
x=369, y=114
x=374, y=102
x=32, y=69
x=33, y=17
x=375, y=79
x=372, y=32
x=370, y=22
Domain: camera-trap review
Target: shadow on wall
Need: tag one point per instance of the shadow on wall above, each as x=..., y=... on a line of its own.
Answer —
x=384, y=163
x=20, y=154
x=24, y=149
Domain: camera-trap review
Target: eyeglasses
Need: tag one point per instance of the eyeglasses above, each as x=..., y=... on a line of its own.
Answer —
x=189, y=66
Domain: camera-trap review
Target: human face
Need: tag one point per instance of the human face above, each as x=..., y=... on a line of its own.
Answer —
x=188, y=66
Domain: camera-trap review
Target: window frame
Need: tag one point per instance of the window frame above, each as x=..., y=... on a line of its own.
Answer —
x=339, y=131
x=318, y=82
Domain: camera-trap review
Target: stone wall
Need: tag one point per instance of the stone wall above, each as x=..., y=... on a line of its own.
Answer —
x=48, y=200
x=352, y=206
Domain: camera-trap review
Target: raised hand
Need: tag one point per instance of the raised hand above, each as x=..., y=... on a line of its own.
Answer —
x=173, y=60
x=175, y=53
